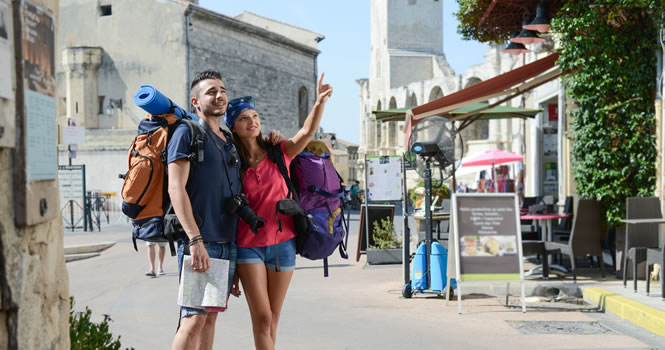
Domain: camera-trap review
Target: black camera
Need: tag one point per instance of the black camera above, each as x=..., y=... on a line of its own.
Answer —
x=239, y=204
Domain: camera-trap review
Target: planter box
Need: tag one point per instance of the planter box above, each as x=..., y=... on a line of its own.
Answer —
x=384, y=256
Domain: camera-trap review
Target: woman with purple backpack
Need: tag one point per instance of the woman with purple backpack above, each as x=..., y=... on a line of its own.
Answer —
x=266, y=257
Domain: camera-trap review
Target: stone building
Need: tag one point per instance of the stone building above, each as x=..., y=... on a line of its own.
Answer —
x=351, y=151
x=34, y=287
x=409, y=68
x=109, y=48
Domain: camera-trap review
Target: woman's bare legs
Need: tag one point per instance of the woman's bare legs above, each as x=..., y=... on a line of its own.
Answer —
x=265, y=291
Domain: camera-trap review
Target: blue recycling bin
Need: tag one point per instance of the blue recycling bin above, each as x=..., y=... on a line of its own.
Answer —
x=439, y=273
x=418, y=269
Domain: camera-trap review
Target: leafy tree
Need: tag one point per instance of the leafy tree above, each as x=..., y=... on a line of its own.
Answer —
x=469, y=14
x=610, y=48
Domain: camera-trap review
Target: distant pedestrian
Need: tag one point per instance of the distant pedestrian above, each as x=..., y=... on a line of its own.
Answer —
x=151, y=258
x=355, y=199
x=267, y=257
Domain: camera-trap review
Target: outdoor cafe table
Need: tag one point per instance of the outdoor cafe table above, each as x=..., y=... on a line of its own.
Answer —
x=437, y=217
x=546, y=235
x=627, y=239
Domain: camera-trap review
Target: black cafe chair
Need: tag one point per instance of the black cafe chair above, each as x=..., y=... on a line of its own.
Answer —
x=639, y=237
x=529, y=230
x=562, y=231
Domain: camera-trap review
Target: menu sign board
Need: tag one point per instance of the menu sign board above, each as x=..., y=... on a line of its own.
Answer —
x=487, y=236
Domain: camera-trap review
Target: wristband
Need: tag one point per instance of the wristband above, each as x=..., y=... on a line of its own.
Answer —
x=195, y=240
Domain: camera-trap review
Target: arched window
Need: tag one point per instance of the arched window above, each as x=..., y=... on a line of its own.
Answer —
x=472, y=81
x=392, y=125
x=392, y=133
x=435, y=93
x=303, y=105
x=412, y=101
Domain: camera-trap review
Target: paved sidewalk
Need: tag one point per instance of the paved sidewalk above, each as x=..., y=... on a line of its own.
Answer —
x=357, y=307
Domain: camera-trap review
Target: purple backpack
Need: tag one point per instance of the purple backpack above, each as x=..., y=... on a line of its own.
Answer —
x=320, y=193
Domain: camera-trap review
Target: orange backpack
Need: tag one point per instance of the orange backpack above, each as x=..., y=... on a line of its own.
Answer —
x=145, y=190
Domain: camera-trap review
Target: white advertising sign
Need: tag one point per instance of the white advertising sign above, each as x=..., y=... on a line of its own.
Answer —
x=384, y=179
x=72, y=183
x=73, y=135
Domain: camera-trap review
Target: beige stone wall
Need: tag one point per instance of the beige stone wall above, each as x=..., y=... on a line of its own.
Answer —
x=34, y=287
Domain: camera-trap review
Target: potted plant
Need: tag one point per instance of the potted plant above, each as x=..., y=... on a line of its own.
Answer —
x=417, y=194
x=387, y=247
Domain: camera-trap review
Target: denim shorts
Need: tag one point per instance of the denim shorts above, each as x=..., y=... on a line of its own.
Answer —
x=226, y=251
x=268, y=255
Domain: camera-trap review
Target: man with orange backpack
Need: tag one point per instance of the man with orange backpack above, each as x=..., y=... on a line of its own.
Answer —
x=206, y=201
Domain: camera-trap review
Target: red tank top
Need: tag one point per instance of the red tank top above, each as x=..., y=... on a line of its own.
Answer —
x=264, y=187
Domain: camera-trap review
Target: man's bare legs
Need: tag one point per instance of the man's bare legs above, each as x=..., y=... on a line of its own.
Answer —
x=195, y=332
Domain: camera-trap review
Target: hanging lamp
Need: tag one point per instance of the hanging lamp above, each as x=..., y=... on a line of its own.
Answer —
x=527, y=36
x=515, y=48
x=542, y=22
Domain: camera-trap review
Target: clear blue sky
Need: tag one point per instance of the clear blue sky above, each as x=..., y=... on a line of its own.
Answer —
x=345, y=50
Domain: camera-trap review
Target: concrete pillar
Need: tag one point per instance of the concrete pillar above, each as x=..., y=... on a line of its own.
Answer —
x=534, y=172
x=81, y=64
x=363, y=139
x=495, y=130
x=506, y=133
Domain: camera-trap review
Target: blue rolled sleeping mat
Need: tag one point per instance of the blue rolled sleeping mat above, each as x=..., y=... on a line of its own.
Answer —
x=154, y=102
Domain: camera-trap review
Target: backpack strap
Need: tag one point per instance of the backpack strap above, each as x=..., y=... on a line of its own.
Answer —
x=171, y=242
x=325, y=267
x=277, y=156
x=198, y=138
x=318, y=190
x=204, y=126
x=197, y=142
x=343, y=252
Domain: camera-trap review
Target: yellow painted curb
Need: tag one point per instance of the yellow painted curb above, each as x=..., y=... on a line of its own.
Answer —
x=642, y=315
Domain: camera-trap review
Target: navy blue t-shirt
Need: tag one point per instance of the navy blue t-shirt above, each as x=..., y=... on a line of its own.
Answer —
x=207, y=186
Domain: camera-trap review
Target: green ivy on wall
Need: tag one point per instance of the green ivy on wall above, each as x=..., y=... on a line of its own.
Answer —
x=611, y=50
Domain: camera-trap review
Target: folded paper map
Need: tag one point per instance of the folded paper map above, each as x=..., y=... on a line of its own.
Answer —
x=204, y=289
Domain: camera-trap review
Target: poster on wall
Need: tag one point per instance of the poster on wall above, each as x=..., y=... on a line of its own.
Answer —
x=39, y=76
x=550, y=142
x=384, y=179
x=5, y=56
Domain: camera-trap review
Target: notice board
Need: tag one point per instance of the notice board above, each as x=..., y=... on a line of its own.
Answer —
x=376, y=214
x=487, y=236
x=71, y=179
x=384, y=179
